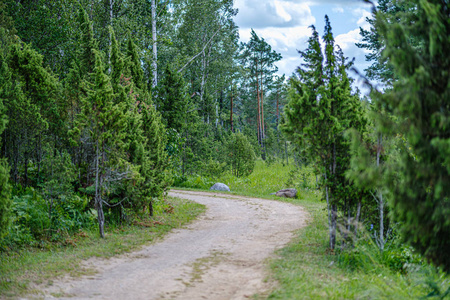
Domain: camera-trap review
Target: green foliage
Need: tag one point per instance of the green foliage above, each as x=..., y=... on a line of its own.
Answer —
x=321, y=108
x=172, y=100
x=240, y=155
x=306, y=269
x=30, y=212
x=36, y=220
x=155, y=167
x=213, y=168
x=419, y=99
x=5, y=187
x=5, y=195
x=196, y=182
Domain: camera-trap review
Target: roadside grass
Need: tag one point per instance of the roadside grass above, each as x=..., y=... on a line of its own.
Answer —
x=22, y=271
x=307, y=269
x=264, y=180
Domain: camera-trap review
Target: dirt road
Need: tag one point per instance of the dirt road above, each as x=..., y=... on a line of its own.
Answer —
x=222, y=255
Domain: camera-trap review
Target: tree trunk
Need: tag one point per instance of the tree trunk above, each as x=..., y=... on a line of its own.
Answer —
x=278, y=119
x=262, y=109
x=231, y=111
x=358, y=215
x=333, y=226
x=263, y=131
x=286, y=152
x=155, y=49
x=381, y=207
x=150, y=208
x=110, y=8
x=380, y=195
x=257, y=115
x=98, y=197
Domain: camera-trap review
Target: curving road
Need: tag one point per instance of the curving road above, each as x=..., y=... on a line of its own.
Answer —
x=222, y=255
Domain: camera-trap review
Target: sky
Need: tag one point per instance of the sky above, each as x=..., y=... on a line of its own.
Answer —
x=284, y=24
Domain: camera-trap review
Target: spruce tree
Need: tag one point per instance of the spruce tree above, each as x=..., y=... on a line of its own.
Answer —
x=420, y=100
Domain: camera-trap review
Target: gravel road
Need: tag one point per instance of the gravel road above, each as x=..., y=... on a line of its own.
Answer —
x=222, y=255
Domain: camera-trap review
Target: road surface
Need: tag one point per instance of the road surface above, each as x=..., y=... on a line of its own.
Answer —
x=222, y=255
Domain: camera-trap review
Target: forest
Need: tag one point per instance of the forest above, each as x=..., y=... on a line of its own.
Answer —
x=105, y=105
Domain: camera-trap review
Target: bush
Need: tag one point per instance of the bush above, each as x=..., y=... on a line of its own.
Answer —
x=240, y=155
x=35, y=219
x=213, y=168
x=197, y=182
x=30, y=211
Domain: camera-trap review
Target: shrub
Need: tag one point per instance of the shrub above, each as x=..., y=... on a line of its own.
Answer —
x=240, y=155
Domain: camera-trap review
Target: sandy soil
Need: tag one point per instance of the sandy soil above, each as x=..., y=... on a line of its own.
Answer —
x=222, y=255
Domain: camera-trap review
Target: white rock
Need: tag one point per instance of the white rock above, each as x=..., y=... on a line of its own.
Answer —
x=220, y=187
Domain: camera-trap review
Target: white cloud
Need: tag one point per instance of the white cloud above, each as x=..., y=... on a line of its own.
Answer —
x=362, y=14
x=286, y=42
x=284, y=25
x=278, y=13
x=348, y=40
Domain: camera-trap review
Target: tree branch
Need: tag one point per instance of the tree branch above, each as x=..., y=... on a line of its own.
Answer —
x=203, y=50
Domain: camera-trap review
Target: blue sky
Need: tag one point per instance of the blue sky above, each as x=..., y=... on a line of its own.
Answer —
x=284, y=25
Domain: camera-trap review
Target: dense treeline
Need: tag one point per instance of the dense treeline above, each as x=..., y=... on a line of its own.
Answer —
x=105, y=104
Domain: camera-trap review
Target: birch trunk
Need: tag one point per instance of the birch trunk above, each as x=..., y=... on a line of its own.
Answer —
x=231, y=111
x=259, y=109
x=380, y=195
x=155, y=49
x=358, y=215
x=111, y=3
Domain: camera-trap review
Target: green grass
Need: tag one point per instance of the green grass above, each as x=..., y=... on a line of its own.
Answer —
x=20, y=271
x=306, y=269
x=264, y=180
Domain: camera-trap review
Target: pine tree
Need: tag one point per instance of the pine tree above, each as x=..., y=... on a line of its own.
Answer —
x=420, y=100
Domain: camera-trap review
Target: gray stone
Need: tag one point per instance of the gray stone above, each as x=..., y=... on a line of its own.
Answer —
x=272, y=193
x=288, y=193
x=220, y=187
